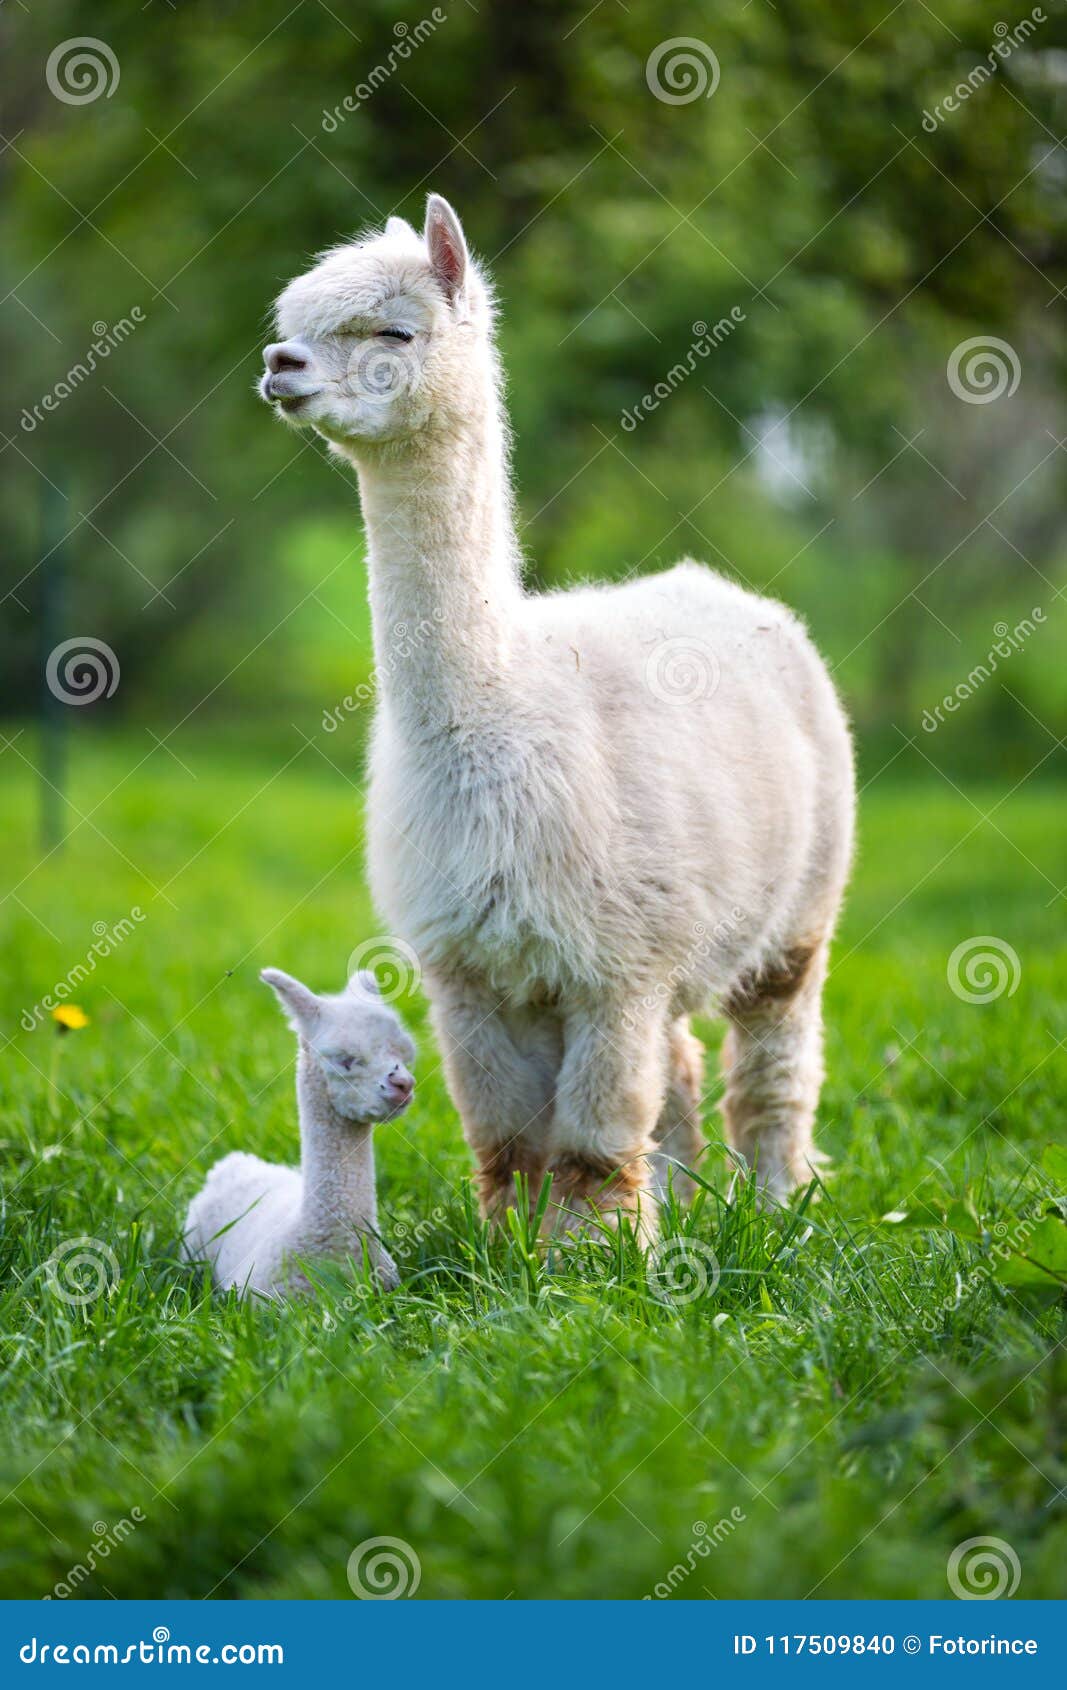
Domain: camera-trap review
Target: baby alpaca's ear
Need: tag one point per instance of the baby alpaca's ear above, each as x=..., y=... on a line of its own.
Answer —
x=300, y=1005
x=364, y=980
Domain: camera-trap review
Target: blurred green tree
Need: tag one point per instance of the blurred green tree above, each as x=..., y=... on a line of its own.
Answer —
x=824, y=183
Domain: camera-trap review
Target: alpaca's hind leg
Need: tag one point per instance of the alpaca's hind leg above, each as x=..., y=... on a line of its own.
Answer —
x=500, y=1065
x=772, y=1060
x=609, y=1096
x=679, y=1140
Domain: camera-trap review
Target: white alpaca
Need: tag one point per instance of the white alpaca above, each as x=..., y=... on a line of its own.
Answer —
x=592, y=813
x=253, y=1220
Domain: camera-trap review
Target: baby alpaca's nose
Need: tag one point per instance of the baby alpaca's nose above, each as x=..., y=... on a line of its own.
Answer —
x=398, y=1084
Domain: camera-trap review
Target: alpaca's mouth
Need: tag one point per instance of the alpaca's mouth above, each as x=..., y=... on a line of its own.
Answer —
x=277, y=391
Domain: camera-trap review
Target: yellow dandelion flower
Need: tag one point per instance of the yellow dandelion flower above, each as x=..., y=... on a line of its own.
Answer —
x=68, y=1018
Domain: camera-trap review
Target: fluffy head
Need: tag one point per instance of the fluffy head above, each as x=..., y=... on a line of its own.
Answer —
x=385, y=338
x=359, y=1044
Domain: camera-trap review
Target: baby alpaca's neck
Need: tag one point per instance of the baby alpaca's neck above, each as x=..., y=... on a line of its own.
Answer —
x=337, y=1164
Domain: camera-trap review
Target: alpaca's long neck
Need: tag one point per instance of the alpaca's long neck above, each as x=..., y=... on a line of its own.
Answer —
x=444, y=570
x=336, y=1161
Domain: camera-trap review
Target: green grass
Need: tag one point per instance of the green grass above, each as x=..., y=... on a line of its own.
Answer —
x=862, y=1395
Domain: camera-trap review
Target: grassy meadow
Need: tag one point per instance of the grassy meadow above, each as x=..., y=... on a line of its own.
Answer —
x=852, y=1400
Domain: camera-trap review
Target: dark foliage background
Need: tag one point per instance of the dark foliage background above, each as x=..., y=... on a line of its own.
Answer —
x=817, y=452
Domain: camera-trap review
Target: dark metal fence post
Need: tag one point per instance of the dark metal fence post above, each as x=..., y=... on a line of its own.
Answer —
x=52, y=710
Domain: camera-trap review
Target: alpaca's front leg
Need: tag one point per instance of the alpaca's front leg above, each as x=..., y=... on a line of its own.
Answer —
x=500, y=1063
x=679, y=1140
x=609, y=1095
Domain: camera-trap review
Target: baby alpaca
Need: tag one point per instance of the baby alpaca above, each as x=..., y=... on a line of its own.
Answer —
x=253, y=1219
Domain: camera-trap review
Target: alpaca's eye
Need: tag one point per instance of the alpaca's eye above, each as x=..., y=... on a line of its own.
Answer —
x=395, y=334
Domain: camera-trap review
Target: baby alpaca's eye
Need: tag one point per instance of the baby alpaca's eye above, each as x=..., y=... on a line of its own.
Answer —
x=395, y=334
x=346, y=1062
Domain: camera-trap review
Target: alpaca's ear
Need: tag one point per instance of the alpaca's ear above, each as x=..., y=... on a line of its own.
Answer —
x=400, y=226
x=446, y=246
x=300, y=1005
x=365, y=980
